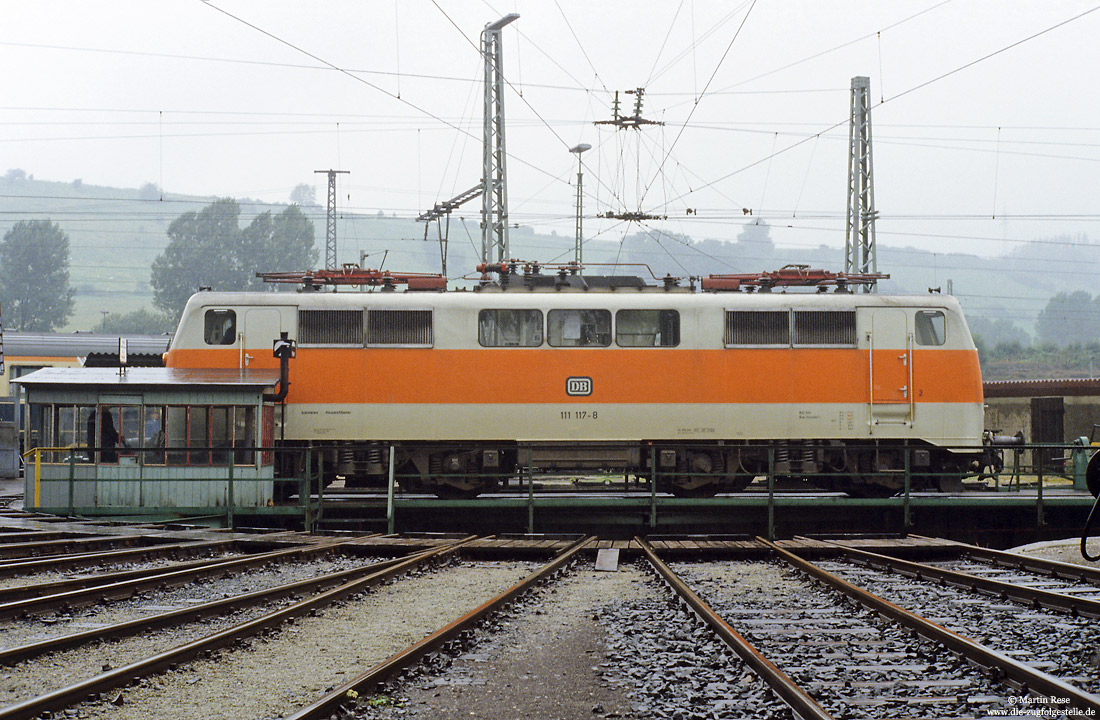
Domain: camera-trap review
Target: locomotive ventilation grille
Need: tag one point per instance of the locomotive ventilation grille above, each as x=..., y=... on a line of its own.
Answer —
x=356, y=328
x=330, y=327
x=784, y=328
x=399, y=327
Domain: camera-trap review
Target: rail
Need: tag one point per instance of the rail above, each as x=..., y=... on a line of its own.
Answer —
x=330, y=703
x=1017, y=672
x=67, y=696
x=797, y=698
x=1035, y=597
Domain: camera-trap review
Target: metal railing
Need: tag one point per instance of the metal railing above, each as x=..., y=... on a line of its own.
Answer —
x=1020, y=469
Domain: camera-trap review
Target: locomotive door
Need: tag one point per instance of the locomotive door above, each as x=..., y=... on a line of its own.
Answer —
x=890, y=348
x=262, y=326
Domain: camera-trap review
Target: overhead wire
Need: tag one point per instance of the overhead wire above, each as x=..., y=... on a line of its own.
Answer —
x=332, y=66
x=901, y=94
x=695, y=105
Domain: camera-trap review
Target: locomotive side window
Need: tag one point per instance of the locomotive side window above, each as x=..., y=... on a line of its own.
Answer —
x=509, y=328
x=758, y=327
x=408, y=328
x=220, y=327
x=578, y=328
x=647, y=328
x=330, y=327
x=825, y=327
x=930, y=327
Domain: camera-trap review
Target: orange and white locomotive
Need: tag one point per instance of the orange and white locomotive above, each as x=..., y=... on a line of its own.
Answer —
x=576, y=373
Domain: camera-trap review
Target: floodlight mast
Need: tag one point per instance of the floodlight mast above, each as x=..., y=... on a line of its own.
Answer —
x=494, y=200
x=861, y=255
x=578, y=253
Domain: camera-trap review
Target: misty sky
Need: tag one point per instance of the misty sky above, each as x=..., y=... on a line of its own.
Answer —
x=246, y=99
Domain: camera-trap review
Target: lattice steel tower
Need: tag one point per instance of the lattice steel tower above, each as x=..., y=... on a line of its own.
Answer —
x=859, y=239
x=494, y=199
x=330, y=225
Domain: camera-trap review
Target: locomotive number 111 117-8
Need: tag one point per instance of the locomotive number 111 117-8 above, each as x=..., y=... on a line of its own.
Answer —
x=705, y=389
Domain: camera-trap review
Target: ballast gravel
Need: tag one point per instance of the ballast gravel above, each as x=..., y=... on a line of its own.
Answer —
x=49, y=576
x=854, y=663
x=272, y=675
x=37, y=628
x=1053, y=642
x=27, y=679
x=592, y=645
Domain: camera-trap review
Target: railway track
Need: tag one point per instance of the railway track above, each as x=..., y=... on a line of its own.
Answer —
x=316, y=632
x=1046, y=623
x=805, y=642
x=318, y=604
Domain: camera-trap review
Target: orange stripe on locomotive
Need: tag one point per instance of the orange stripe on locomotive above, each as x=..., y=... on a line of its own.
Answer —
x=764, y=375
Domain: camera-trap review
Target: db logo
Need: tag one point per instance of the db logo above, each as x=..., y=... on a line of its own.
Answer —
x=578, y=386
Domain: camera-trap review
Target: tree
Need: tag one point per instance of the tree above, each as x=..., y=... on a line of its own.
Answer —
x=201, y=251
x=282, y=242
x=1000, y=330
x=34, y=276
x=303, y=195
x=208, y=249
x=138, y=322
x=1068, y=318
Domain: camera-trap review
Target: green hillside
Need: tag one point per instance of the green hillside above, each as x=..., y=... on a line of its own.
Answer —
x=115, y=233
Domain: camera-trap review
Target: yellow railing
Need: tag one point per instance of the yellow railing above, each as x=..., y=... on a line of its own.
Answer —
x=37, y=452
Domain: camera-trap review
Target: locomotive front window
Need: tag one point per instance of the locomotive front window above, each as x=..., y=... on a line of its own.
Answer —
x=220, y=327
x=509, y=328
x=647, y=328
x=931, y=327
x=578, y=328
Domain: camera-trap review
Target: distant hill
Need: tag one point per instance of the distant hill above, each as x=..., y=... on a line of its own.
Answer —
x=116, y=233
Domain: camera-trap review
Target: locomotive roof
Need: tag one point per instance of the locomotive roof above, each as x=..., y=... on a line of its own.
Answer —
x=624, y=298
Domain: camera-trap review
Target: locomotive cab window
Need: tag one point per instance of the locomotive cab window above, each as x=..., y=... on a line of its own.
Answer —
x=647, y=328
x=220, y=327
x=930, y=327
x=578, y=328
x=509, y=328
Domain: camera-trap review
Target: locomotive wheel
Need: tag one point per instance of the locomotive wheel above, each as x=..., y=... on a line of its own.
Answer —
x=704, y=479
x=708, y=488
x=736, y=482
x=452, y=492
x=865, y=489
x=408, y=477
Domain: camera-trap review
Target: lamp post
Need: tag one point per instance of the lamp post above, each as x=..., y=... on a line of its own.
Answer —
x=577, y=254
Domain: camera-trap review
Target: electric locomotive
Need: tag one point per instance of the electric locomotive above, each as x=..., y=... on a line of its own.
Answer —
x=704, y=388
